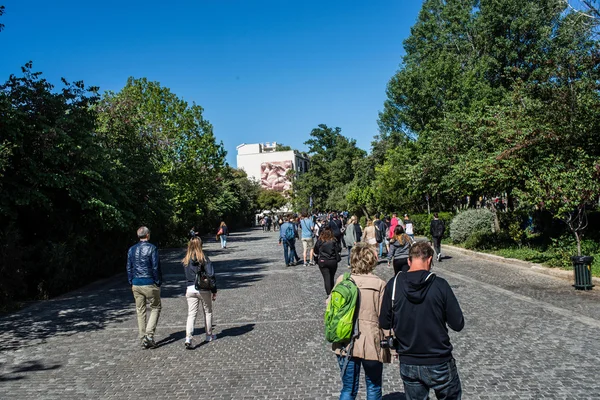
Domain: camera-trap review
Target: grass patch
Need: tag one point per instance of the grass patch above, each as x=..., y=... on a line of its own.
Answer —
x=551, y=257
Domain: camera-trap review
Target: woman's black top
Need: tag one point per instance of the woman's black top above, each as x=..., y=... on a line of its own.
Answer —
x=327, y=251
x=192, y=269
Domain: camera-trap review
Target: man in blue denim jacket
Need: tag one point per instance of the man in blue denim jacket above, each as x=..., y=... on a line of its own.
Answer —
x=145, y=277
x=420, y=307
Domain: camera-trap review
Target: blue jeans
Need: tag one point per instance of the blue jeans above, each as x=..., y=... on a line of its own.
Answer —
x=350, y=380
x=289, y=251
x=381, y=249
x=442, y=378
x=223, y=241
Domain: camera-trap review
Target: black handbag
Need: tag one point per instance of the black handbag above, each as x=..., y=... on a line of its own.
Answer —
x=202, y=281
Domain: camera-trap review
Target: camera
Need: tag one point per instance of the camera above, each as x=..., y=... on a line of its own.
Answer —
x=388, y=342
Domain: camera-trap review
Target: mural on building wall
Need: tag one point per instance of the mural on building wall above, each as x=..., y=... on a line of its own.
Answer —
x=273, y=175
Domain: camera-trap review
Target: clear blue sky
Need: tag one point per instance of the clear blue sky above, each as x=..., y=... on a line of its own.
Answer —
x=263, y=70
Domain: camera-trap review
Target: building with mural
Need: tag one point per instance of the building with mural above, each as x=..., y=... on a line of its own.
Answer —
x=273, y=169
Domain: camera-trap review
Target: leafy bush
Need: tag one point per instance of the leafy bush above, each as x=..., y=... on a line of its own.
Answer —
x=482, y=240
x=421, y=222
x=470, y=221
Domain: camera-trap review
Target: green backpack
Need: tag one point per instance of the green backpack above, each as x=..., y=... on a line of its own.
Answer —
x=341, y=310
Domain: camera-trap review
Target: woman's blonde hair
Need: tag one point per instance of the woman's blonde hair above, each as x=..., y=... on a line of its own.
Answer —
x=353, y=219
x=222, y=224
x=400, y=236
x=194, y=252
x=362, y=258
x=369, y=222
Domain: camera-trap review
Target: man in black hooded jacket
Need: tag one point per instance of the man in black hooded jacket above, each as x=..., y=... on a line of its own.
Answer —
x=420, y=306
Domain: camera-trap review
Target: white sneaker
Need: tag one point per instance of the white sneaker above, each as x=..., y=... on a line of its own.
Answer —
x=188, y=343
x=439, y=257
x=210, y=338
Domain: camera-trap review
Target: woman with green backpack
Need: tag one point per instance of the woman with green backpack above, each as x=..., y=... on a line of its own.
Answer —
x=365, y=349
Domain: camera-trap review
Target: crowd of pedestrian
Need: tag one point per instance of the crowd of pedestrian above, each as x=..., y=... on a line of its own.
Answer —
x=410, y=314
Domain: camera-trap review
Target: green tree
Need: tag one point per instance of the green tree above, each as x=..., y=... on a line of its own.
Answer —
x=271, y=200
x=332, y=157
x=181, y=140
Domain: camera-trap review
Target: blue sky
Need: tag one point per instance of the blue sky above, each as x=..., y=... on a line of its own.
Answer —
x=263, y=70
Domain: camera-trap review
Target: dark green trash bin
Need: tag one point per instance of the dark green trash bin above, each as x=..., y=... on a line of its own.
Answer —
x=582, y=266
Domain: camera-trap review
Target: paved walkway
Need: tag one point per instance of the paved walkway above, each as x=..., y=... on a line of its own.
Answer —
x=527, y=335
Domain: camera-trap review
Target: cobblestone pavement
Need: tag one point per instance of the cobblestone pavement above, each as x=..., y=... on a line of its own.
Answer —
x=527, y=336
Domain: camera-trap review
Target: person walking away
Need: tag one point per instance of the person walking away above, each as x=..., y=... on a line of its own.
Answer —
x=386, y=223
x=318, y=227
x=380, y=234
x=263, y=225
x=145, y=277
x=223, y=232
x=307, y=226
x=408, y=227
x=192, y=233
x=437, y=229
x=327, y=250
x=394, y=222
x=399, y=249
x=420, y=306
x=194, y=262
x=335, y=228
x=351, y=235
x=269, y=221
x=369, y=236
x=366, y=351
x=287, y=236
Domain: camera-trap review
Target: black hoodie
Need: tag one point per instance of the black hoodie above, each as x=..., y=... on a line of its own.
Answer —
x=424, y=303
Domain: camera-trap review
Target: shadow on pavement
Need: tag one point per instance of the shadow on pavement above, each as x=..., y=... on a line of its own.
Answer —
x=173, y=337
x=394, y=396
x=235, y=331
x=74, y=313
x=28, y=366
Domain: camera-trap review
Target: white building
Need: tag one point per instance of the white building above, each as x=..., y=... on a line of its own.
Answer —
x=272, y=168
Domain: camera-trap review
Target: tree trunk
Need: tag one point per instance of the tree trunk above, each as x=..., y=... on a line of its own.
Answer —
x=496, y=220
x=578, y=243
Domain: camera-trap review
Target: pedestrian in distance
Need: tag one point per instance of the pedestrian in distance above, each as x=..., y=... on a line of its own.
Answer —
x=380, y=233
x=420, y=306
x=437, y=229
x=222, y=234
x=366, y=352
x=369, y=236
x=399, y=248
x=145, y=277
x=287, y=236
x=327, y=250
x=351, y=235
x=394, y=222
x=196, y=262
x=307, y=226
x=192, y=233
x=408, y=227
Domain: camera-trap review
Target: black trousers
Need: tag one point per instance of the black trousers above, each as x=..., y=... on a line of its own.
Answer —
x=400, y=264
x=328, y=269
x=437, y=244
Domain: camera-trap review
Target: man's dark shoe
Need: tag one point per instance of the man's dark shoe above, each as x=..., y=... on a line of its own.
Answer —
x=149, y=343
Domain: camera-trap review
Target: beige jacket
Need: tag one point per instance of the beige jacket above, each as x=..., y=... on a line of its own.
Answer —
x=369, y=235
x=366, y=346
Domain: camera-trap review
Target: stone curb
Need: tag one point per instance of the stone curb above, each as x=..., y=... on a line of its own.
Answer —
x=539, y=268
